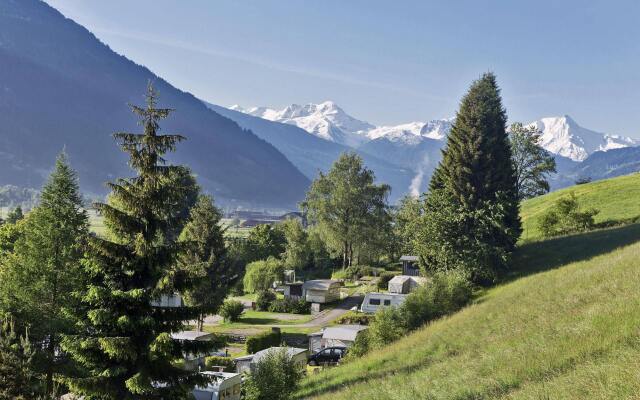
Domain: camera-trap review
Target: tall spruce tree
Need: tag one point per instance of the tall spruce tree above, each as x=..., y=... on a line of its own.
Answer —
x=124, y=338
x=204, y=259
x=44, y=267
x=476, y=171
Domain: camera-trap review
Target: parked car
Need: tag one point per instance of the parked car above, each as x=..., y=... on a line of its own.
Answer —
x=328, y=355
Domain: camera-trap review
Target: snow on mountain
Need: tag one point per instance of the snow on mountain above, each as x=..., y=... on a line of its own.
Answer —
x=563, y=136
x=325, y=120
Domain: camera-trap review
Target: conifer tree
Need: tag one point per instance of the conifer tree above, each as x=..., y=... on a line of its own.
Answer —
x=204, y=259
x=476, y=171
x=17, y=379
x=124, y=338
x=44, y=268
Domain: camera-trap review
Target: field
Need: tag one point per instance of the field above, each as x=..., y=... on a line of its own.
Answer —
x=618, y=199
x=565, y=324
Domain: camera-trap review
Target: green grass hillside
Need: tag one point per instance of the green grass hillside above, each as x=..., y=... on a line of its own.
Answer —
x=567, y=326
x=618, y=199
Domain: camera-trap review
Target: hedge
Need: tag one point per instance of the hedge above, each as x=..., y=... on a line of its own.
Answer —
x=263, y=341
x=226, y=362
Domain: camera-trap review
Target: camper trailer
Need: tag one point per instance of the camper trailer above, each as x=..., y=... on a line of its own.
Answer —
x=223, y=386
x=373, y=301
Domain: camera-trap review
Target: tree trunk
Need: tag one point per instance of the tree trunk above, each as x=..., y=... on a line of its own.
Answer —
x=345, y=255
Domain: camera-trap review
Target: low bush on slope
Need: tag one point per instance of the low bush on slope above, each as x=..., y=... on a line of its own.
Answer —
x=571, y=331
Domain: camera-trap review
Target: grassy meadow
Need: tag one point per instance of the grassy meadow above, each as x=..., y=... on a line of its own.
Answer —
x=618, y=200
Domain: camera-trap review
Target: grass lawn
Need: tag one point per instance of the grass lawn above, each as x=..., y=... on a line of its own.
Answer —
x=566, y=326
x=618, y=199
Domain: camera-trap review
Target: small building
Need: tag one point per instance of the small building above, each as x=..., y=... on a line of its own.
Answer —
x=404, y=284
x=373, y=301
x=410, y=265
x=335, y=336
x=321, y=291
x=248, y=363
x=293, y=290
x=223, y=386
x=193, y=361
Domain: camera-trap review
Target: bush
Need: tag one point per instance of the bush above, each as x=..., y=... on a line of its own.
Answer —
x=264, y=300
x=231, y=310
x=226, y=362
x=290, y=306
x=360, y=347
x=565, y=218
x=263, y=341
x=355, y=318
x=275, y=377
x=447, y=292
x=387, y=327
x=383, y=281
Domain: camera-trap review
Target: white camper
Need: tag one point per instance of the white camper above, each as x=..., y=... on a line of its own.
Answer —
x=373, y=301
x=223, y=386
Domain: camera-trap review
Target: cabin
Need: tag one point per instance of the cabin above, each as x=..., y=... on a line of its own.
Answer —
x=193, y=362
x=373, y=301
x=321, y=291
x=334, y=336
x=248, y=363
x=410, y=265
x=223, y=386
x=403, y=284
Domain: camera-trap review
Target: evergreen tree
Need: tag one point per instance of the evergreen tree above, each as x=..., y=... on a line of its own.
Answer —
x=124, y=338
x=17, y=379
x=15, y=215
x=44, y=269
x=204, y=259
x=476, y=170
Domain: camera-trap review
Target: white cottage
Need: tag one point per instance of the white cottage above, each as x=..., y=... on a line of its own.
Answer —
x=321, y=291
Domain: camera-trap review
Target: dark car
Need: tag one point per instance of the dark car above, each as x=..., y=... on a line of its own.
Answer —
x=330, y=355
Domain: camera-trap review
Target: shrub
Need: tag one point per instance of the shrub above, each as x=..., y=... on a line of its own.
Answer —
x=290, y=306
x=264, y=300
x=387, y=327
x=565, y=217
x=447, y=292
x=231, y=310
x=383, y=281
x=226, y=362
x=355, y=318
x=360, y=347
x=275, y=377
x=263, y=341
x=260, y=275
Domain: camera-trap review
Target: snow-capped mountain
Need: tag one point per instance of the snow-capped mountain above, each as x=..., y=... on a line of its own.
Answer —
x=325, y=120
x=330, y=122
x=564, y=137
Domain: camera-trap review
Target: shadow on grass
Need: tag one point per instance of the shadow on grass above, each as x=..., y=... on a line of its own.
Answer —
x=258, y=321
x=534, y=257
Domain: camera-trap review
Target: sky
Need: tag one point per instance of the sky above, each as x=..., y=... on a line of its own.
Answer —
x=387, y=62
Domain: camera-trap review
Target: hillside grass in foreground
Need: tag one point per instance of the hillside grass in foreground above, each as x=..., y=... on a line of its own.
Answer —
x=566, y=327
x=618, y=199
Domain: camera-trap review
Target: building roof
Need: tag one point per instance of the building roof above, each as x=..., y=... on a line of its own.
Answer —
x=291, y=352
x=343, y=332
x=217, y=379
x=409, y=258
x=320, y=284
x=399, y=279
x=191, y=335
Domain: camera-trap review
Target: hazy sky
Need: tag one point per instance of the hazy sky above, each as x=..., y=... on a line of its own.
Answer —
x=387, y=62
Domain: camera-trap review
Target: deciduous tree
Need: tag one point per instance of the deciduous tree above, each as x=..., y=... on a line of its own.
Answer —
x=531, y=162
